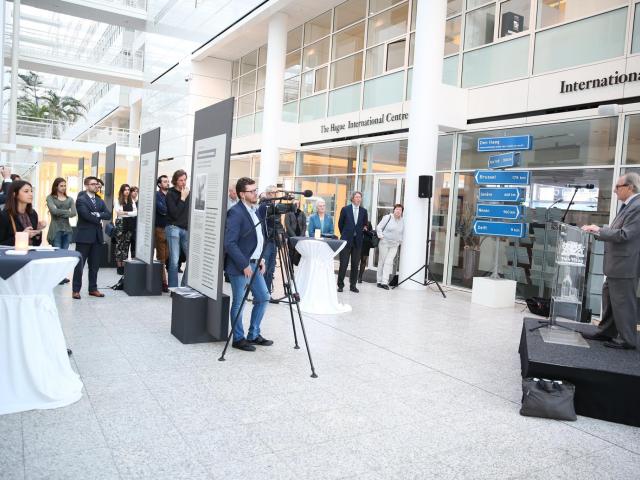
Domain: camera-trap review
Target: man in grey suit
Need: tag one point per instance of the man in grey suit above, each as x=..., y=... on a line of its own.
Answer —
x=622, y=268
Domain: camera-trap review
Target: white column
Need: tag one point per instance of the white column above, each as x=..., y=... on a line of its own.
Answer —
x=2, y=25
x=15, y=44
x=273, y=95
x=423, y=133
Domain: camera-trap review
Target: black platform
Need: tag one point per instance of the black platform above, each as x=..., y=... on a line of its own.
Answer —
x=607, y=380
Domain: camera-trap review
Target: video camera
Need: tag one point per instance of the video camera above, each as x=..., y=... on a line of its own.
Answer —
x=283, y=204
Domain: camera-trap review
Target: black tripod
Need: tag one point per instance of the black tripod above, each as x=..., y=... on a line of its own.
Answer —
x=428, y=277
x=276, y=233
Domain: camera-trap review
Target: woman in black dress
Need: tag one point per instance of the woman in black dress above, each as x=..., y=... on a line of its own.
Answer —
x=19, y=216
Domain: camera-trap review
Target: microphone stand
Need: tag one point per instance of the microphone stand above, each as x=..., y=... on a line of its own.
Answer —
x=575, y=190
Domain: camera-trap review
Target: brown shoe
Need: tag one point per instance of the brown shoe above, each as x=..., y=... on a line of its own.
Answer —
x=76, y=295
x=96, y=293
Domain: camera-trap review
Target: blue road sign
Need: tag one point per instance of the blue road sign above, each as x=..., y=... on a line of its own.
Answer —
x=505, y=212
x=501, y=194
x=504, y=160
x=499, y=177
x=500, y=229
x=504, y=144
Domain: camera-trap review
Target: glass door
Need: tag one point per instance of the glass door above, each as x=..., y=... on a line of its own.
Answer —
x=387, y=192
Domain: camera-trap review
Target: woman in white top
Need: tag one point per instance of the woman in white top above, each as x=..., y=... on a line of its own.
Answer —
x=126, y=213
x=389, y=229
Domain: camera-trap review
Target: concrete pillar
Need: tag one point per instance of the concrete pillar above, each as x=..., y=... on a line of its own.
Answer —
x=15, y=49
x=423, y=133
x=273, y=95
x=2, y=25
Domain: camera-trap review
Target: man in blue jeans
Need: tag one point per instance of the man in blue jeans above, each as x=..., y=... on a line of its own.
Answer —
x=244, y=238
x=177, y=200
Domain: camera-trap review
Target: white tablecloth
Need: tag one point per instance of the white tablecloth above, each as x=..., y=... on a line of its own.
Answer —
x=315, y=278
x=35, y=372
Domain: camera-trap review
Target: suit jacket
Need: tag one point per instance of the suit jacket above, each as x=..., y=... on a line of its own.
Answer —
x=622, y=243
x=8, y=237
x=4, y=190
x=89, y=228
x=240, y=239
x=295, y=220
x=350, y=231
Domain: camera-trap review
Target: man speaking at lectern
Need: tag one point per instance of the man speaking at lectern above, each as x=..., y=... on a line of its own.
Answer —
x=621, y=266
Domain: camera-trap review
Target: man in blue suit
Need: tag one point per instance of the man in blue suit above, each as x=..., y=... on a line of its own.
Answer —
x=352, y=222
x=244, y=237
x=89, y=238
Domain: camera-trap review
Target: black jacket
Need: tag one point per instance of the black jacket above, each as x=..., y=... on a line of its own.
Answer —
x=7, y=237
x=177, y=210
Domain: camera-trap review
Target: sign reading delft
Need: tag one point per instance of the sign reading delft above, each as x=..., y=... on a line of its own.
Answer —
x=504, y=160
x=508, y=177
x=500, y=229
x=504, y=212
x=503, y=144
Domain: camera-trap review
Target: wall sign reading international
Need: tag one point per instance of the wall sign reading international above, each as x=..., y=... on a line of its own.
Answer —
x=344, y=127
x=615, y=79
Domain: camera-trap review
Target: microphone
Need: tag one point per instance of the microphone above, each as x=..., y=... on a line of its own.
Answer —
x=306, y=193
x=588, y=186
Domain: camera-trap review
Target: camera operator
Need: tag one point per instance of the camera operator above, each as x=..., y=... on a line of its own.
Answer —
x=271, y=249
x=243, y=244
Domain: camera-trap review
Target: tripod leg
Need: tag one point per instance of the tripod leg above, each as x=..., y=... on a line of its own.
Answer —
x=285, y=266
x=433, y=280
x=410, y=277
x=304, y=332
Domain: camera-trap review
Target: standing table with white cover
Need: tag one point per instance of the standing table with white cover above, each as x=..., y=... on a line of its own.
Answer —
x=315, y=277
x=35, y=372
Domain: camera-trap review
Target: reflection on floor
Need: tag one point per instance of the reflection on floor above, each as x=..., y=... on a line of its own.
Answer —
x=410, y=385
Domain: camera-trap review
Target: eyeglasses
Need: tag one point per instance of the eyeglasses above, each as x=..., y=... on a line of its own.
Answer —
x=93, y=184
x=621, y=185
x=251, y=191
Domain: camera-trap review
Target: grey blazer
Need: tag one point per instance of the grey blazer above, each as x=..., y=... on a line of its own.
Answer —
x=622, y=243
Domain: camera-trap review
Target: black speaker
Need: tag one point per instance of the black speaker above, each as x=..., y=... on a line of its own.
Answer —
x=425, y=186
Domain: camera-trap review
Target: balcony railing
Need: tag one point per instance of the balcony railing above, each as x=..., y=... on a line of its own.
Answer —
x=43, y=128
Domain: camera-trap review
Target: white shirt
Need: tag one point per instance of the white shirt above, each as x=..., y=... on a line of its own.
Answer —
x=256, y=221
x=356, y=210
x=631, y=198
x=118, y=208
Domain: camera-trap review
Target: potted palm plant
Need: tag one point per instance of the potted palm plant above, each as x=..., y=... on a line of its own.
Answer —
x=470, y=241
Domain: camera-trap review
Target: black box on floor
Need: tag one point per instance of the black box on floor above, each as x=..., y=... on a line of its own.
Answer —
x=135, y=278
x=196, y=318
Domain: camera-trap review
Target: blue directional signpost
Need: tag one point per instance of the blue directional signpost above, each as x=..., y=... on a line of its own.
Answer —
x=495, y=219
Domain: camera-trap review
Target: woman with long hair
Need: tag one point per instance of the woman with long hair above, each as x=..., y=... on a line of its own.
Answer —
x=126, y=212
x=19, y=216
x=62, y=208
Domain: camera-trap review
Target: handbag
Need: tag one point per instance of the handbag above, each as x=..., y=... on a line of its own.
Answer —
x=548, y=399
x=539, y=306
x=109, y=228
x=375, y=240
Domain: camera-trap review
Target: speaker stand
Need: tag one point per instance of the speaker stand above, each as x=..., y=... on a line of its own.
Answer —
x=428, y=277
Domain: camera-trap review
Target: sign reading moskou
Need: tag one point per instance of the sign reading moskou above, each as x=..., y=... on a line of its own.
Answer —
x=503, y=212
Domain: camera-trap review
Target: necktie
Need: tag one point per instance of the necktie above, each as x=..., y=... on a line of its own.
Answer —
x=622, y=208
x=93, y=201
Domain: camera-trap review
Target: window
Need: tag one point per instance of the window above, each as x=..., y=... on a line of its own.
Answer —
x=235, y=68
x=317, y=28
x=387, y=25
x=306, y=87
x=452, y=36
x=412, y=43
x=384, y=90
x=292, y=64
x=321, y=79
x=395, y=54
x=635, y=41
x=329, y=161
x=294, y=39
x=290, y=112
x=315, y=54
x=348, y=12
x=453, y=7
x=249, y=62
x=471, y=4
x=344, y=100
x=514, y=17
x=346, y=71
x=246, y=104
x=377, y=5
x=244, y=126
x=234, y=88
x=479, y=27
x=260, y=100
x=312, y=108
x=551, y=12
x=291, y=88
x=248, y=83
x=348, y=41
x=375, y=61
x=262, y=56
x=631, y=145
x=261, y=77
x=585, y=41
x=450, y=70
x=384, y=157
x=496, y=63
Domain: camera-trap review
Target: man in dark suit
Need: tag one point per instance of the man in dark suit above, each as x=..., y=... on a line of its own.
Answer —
x=89, y=237
x=618, y=324
x=352, y=222
x=244, y=237
x=5, y=173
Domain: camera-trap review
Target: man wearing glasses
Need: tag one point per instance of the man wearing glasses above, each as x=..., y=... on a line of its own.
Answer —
x=622, y=268
x=244, y=238
x=89, y=238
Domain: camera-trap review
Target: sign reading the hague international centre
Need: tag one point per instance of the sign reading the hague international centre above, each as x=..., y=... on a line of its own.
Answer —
x=501, y=194
x=611, y=80
x=344, y=127
x=500, y=229
x=504, y=160
x=503, y=144
x=507, y=177
x=503, y=212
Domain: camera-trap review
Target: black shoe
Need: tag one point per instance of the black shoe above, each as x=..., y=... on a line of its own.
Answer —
x=382, y=285
x=243, y=345
x=354, y=289
x=340, y=289
x=63, y=281
x=619, y=345
x=273, y=300
x=69, y=352
x=596, y=336
x=120, y=270
x=260, y=340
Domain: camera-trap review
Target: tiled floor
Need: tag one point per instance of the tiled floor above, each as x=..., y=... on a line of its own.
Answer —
x=410, y=386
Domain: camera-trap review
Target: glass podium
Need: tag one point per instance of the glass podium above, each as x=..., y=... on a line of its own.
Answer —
x=568, y=285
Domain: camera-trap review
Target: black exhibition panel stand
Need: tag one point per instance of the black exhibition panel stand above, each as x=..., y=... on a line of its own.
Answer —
x=195, y=317
x=108, y=257
x=143, y=276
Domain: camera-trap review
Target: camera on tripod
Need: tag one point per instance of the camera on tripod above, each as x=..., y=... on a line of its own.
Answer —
x=279, y=208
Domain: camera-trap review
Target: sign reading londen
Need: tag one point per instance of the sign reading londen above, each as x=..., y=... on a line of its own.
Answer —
x=501, y=194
